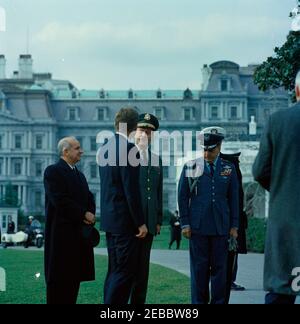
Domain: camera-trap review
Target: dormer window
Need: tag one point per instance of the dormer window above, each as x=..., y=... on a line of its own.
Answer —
x=102, y=94
x=158, y=94
x=187, y=95
x=74, y=94
x=130, y=94
x=224, y=85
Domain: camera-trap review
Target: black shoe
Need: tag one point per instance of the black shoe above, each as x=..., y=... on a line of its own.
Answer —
x=237, y=287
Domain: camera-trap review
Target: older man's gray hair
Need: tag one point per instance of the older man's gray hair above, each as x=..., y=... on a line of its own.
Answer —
x=65, y=144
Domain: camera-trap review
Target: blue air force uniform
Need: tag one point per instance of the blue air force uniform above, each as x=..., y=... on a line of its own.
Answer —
x=208, y=205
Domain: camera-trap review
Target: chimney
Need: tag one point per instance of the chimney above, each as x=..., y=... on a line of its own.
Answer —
x=25, y=67
x=2, y=67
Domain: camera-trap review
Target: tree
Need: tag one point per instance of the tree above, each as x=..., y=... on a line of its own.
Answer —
x=281, y=70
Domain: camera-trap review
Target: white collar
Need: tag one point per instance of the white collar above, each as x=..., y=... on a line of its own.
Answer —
x=71, y=166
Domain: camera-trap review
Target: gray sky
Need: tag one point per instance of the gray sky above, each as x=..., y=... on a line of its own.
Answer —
x=141, y=44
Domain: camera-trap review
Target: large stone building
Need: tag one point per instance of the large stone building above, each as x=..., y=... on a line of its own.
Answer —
x=37, y=110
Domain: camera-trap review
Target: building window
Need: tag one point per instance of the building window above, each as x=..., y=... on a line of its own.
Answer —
x=189, y=113
x=93, y=171
x=38, y=199
x=1, y=142
x=214, y=112
x=39, y=142
x=159, y=94
x=38, y=169
x=4, y=221
x=252, y=112
x=224, y=85
x=1, y=166
x=18, y=168
x=18, y=142
x=73, y=114
x=159, y=113
x=93, y=144
x=233, y=112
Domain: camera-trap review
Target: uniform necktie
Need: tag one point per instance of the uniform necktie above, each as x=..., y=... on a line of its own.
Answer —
x=212, y=170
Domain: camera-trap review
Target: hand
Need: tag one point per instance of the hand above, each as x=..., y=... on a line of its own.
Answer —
x=143, y=231
x=90, y=218
x=234, y=233
x=187, y=233
x=158, y=229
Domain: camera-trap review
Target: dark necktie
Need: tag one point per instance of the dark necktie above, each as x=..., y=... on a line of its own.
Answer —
x=212, y=170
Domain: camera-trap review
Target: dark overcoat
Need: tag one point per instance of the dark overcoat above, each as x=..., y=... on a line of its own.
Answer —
x=276, y=168
x=67, y=257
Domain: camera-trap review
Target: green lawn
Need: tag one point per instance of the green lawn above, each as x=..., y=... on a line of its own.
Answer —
x=165, y=286
x=160, y=241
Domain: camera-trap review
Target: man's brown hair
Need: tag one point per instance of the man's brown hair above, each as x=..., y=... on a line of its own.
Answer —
x=127, y=116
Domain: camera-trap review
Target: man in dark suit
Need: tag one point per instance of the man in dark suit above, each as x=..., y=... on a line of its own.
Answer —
x=208, y=208
x=151, y=188
x=69, y=260
x=121, y=212
x=276, y=168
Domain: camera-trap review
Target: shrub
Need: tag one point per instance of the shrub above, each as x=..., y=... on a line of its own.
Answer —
x=256, y=234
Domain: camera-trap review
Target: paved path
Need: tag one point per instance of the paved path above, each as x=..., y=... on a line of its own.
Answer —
x=250, y=272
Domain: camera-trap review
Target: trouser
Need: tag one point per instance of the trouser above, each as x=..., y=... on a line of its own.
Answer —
x=208, y=256
x=139, y=291
x=177, y=243
x=62, y=292
x=122, y=263
x=273, y=298
x=235, y=269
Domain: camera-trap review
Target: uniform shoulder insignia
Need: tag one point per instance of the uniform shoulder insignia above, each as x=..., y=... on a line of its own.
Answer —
x=225, y=161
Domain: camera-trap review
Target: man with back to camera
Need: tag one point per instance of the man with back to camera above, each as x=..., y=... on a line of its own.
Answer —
x=69, y=260
x=121, y=212
x=208, y=208
x=276, y=169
